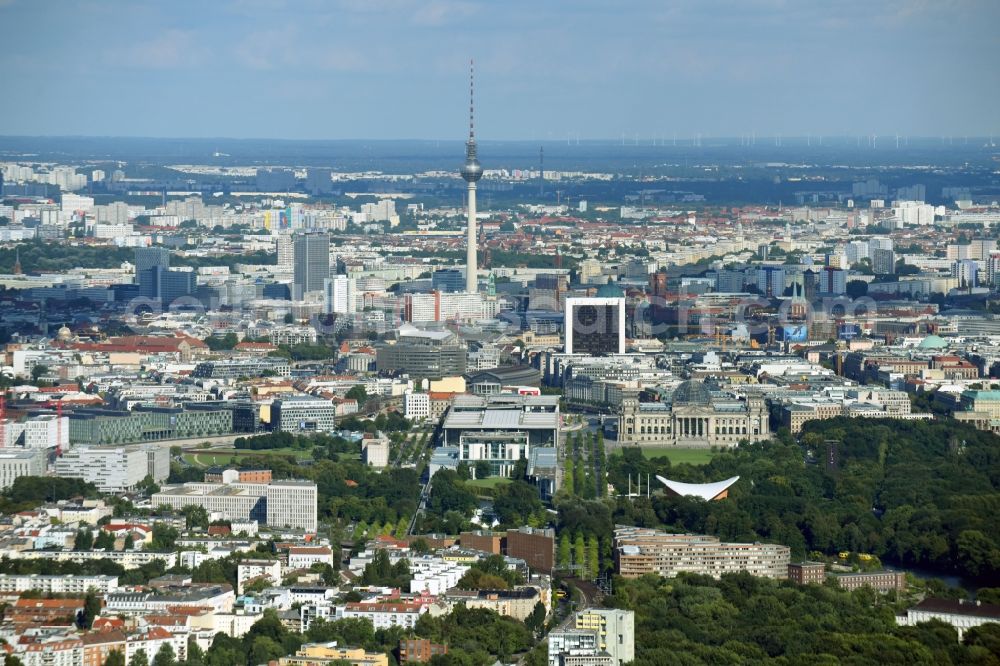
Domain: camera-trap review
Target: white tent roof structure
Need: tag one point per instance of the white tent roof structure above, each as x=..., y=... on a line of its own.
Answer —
x=706, y=491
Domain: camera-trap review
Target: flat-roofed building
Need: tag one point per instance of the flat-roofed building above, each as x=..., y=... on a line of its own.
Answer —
x=640, y=551
x=243, y=475
x=483, y=541
x=286, y=503
x=375, y=450
x=417, y=406
x=244, y=367
x=423, y=353
x=15, y=463
x=104, y=426
x=880, y=581
x=596, y=637
x=807, y=573
x=533, y=545
x=303, y=414
x=535, y=416
x=615, y=628
x=419, y=650
x=596, y=325
x=249, y=570
x=57, y=584
x=794, y=415
x=517, y=603
x=115, y=469
x=322, y=654
x=177, y=423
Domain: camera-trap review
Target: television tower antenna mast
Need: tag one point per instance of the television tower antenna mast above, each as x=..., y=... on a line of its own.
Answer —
x=471, y=172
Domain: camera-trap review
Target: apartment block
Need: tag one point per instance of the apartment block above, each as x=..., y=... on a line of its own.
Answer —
x=640, y=551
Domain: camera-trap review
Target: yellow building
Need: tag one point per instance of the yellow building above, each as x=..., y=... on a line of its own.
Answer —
x=321, y=654
x=447, y=385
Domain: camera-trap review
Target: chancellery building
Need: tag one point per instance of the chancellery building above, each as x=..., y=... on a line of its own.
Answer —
x=693, y=417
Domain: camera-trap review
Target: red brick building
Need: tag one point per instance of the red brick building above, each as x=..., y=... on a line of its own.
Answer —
x=805, y=573
x=419, y=650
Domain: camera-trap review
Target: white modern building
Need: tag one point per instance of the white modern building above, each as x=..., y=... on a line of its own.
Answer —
x=46, y=431
x=966, y=271
x=115, y=469
x=15, y=463
x=339, y=295
x=437, y=306
x=434, y=575
x=286, y=503
x=303, y=414
x=248, y=570
x=57, y=584
x=416, y=406
x=375, y=450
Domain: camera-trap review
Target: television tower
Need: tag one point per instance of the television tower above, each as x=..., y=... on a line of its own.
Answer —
x=471, y=172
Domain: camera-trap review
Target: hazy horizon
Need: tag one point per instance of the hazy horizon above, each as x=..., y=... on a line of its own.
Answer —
x=813, y=140
x=392, y=69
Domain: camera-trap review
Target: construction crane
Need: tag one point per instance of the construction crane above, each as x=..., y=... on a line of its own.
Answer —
x=720, y=339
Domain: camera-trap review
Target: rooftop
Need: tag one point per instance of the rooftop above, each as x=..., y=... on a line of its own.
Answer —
x=959, y=607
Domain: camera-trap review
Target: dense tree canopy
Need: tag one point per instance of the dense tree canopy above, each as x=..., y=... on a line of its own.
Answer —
x=910, y=492
x=742, y=619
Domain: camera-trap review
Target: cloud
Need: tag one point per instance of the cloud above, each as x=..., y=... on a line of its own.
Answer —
x=269, y=49
x=171, y=49
x=287, y=47
x=426, y=13
x=341, y=59
x=442, y=12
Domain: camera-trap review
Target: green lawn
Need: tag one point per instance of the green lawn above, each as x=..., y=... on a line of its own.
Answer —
x=489, y=482
x=678, y=456
x=226, y=456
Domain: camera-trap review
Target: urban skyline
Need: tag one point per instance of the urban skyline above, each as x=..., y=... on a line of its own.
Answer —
x=561, y=401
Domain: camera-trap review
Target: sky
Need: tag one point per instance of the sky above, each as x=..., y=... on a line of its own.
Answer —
x=545, y=69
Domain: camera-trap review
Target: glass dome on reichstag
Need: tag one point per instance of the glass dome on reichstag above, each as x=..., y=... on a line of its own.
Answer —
x=692, y=392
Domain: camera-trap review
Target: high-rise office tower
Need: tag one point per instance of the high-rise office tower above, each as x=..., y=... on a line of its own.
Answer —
x=312, y=263
x=151, y=257
x=338, y=295
x=150, y=262
x=447, y=280
x=471, y=172
x=596, y=326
